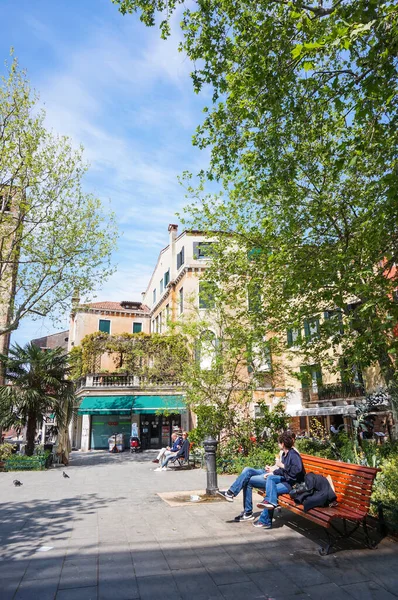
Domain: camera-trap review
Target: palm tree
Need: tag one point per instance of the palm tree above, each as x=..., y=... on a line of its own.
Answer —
x=37, y=385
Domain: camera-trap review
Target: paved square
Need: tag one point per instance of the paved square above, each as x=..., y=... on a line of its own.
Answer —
x=105, y=534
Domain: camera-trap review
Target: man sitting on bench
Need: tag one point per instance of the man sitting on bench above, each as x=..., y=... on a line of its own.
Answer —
x=276, y=480
x=169, y=451
x=181, y=456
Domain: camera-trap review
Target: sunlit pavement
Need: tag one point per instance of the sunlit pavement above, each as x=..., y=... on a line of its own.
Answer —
x=104, y=534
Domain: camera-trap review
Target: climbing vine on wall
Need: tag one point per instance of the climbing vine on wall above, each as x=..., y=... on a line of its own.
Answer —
x=159, y=358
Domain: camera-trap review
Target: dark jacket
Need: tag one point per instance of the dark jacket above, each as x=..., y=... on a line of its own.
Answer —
x=293, y=469
x=183, y=452
x=320, y=492
x=177, y=445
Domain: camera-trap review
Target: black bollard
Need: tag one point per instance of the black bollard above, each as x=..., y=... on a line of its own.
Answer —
x=210, y=446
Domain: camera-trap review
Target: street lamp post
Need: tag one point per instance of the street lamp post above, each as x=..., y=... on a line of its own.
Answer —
x=210, y=446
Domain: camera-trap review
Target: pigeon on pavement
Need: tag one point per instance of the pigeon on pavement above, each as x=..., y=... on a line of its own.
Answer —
x=65, y=475
x=17, y=483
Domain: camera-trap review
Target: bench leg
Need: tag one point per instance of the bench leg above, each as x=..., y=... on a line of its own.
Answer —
x=332, y=539
x=369, y=543
x=324, y=550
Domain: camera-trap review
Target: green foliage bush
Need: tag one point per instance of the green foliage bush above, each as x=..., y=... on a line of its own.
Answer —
x=315, y=447
x=6, y=450
x=231, y=460
x=385, y=490
x=25, y=463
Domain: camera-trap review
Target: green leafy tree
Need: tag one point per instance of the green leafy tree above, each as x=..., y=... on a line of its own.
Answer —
x=54, y=237
x=303, y=139
x=37, y=385
x=228, y=363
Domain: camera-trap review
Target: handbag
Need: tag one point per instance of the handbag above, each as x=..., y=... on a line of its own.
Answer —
x=298, y=489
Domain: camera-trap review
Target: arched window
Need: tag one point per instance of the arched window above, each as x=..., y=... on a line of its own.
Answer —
x=206, y=349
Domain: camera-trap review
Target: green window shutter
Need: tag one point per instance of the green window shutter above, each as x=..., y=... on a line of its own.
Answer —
x=307, y=331
x=167, y=278
x=137, y=327
x=196, y=249
x=290, y=337
x=104, y=326
x=311, y=328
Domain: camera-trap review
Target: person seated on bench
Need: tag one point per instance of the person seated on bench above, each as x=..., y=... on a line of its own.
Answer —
x=257, y=478
x=280, y=479
x=176, y=445
x=252, y=478
x=183, y=453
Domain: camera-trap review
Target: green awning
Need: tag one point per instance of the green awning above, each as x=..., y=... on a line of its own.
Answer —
x=151, y=404
x=106, y=405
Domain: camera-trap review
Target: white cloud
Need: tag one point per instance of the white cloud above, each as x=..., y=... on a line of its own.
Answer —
x=127, y=97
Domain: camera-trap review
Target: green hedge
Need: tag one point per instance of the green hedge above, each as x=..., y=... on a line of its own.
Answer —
x=26, y=463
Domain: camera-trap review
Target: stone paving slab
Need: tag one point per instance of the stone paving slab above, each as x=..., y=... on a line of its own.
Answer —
x=111, y=537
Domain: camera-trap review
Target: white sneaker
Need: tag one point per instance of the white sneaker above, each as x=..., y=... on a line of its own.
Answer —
x=158, y=469
x=164, y=469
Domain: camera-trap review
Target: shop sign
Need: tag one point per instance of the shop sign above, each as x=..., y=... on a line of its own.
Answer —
x=113, y=423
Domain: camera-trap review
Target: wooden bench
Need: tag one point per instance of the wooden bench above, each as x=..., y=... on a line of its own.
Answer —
x=353, y=488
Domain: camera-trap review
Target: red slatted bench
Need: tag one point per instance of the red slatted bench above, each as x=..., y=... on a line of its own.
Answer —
x=353, y=488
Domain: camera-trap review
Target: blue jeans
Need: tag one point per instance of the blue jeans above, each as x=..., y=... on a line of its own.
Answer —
x=275, y=486
x=169, y=457
x=247, y=480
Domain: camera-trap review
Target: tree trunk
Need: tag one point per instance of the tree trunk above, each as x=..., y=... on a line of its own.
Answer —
x=30, y=434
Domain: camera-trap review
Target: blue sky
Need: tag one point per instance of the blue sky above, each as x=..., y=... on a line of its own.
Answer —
x=113, y=85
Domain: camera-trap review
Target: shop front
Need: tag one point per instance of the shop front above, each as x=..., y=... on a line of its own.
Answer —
x=109, y=415
x=158, y=415
x=154, y=417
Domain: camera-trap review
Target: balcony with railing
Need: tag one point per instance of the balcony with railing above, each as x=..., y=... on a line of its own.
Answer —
x=331, y=393
x=109, y=381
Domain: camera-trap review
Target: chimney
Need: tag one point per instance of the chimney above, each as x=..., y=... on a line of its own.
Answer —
x=172, y=229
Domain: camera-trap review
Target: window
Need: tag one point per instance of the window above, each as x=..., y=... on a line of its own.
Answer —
x=260, y=357
x=202, y=249
x=160, y=322
x=254, y=301
x=137, y=327
x=206, y=294
x=157, y=324
x=206, y=350
x=167, y=278
x=167, y=312
x=293, y=337
x=161, y=286
x=333, y=321
x=254, y=253
x=311, y=377
x=303, y=423
x=181, y=298
x=311, y=328
x=154, y=296
x=180, y=258
x=104, y=325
